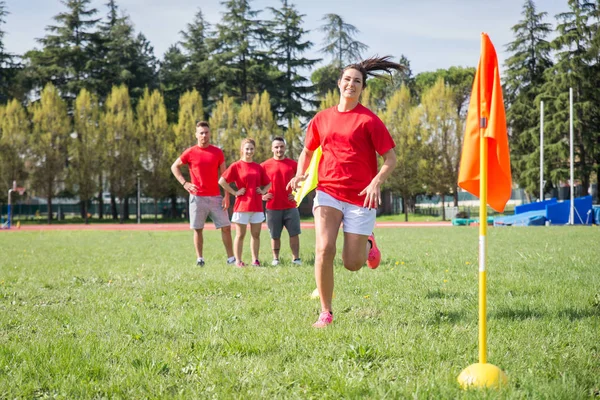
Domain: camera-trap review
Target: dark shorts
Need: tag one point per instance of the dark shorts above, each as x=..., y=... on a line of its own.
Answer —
x=277, y=219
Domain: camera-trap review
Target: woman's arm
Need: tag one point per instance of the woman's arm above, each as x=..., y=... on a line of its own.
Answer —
x=373, y=191
x=229, y=189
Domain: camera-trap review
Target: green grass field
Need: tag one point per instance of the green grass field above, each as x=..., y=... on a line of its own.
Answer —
x=90, y=314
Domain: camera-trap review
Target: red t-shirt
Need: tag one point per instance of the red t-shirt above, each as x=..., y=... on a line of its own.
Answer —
x=249, y=175
x=204, y=163
x=280, y=172
x=350, y=142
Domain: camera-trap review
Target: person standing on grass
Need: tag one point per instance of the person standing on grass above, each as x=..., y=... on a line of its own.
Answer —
x=281, y=206
x=252, y=183
x=349, y=189
x=206, y=164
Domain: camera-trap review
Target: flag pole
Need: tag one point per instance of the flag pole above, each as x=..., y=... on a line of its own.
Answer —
x=483, y=168
x=482, y=374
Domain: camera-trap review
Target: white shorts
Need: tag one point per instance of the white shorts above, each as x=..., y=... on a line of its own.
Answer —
x=246, y=218
x=358, y=220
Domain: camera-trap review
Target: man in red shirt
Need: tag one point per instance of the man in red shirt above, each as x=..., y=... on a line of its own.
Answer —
x=206, y=164
x=281, y=207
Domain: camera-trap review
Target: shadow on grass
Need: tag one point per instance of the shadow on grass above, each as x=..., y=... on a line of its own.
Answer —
x=574, y=314
x=517, y=314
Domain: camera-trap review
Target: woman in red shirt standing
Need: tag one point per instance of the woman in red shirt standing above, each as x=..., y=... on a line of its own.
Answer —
x=251, y=182
x=349, y=188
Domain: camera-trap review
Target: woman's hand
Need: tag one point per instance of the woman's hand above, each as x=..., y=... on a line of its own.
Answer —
x=296, y=182
x=372, y=194
x=267, y=196
x=240, y=192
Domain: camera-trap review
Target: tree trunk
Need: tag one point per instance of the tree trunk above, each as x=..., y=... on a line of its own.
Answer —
x=113, y=207
x=85, y=211
x=49, y=210
x=443, y=206
x=126, y=208
x=455, y=195
x=121, y=218
x=100, y=206
x=405, y=208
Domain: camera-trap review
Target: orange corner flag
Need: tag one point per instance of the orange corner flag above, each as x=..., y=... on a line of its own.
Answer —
x=486, y=112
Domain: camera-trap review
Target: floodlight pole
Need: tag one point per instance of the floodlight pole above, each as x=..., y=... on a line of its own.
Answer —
x=572, y=185
x=541, y=151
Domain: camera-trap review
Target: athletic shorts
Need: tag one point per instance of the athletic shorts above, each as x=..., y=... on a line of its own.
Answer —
x=203, y=206
x=277, y=219
x=359, y=220
x=245, y=218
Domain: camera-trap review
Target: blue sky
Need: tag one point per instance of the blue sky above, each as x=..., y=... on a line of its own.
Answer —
x=431, y=33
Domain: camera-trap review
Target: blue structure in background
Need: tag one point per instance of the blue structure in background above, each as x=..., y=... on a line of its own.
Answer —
x=554, y=212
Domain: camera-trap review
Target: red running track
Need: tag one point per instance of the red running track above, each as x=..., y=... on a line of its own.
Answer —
x=185, y=226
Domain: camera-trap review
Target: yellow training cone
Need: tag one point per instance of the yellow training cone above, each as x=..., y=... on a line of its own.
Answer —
x=482, y=376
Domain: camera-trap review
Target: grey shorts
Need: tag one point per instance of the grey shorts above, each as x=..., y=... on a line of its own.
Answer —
x=203, y=206
x=277, y=219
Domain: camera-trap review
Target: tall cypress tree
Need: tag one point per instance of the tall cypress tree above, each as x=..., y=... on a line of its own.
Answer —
x=173, y=79
x=292, y=93
x=572, y=70
x=240, y=69
x=524, y=79
x=67, y=50
x=9, y=66
x=199, y=70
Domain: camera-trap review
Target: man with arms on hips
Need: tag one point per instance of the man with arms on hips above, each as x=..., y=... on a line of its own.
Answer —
x=206, y=164
x=281, y=206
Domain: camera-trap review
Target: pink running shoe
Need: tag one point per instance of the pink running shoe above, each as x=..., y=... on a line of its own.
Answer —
x=240, y=264
x=325, y=319
x=374, y=254
x=256, y=263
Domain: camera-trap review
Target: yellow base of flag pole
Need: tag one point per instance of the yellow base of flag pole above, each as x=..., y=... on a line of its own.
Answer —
x=482, y=374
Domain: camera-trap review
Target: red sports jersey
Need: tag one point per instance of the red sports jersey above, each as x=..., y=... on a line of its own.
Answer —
x=204, y=163
x=350, y=142
x=249, y=175
x=280, y=172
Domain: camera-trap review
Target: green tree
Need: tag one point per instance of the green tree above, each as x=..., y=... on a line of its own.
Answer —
x=10, y=84
x=444, y=136
x=293, y=137
x=190, y=111
x=257, y=122
x=325, y=79
x=460, y=78
x=122, y=147
x=573, y=69
x=173, y=79
x=48, y=143
x=403, y=120
x=199, y=69
x=240, y=66
x=524, y=77
x=331, y=99
x=339, y=40
x=292, y=93
x=85, y=149
x=156, y=145
x=14, y=134
x=67, y=48
x=225, y=129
